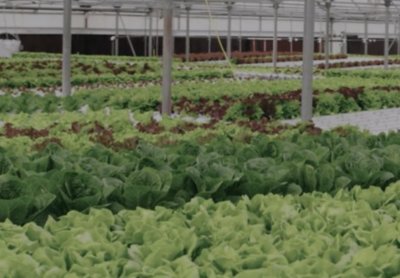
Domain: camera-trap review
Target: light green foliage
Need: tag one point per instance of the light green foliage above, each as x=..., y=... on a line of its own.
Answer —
x=354, y=234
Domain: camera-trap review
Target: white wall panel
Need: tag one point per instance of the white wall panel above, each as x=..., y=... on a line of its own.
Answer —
x=51, y=23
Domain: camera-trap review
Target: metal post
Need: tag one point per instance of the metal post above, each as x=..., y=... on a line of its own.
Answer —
x=86, y=16
x=66, y=69
x=275, y=42
x=308, y=57
x=291, y=44
x=150, y=43
x=240, y=35
x=117, y=32
x=157, y=30
x=320, y=40
x=327, y=33
x=229, y=36
x=145, y=37
x=387, y=6
x=344, y=43
x=331, y=34
x=187, y=43
x=366, y=36
x=398, y=39
x=167, y=58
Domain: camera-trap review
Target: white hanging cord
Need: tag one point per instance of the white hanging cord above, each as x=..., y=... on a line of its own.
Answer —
x=127, y=36
x=211, y=24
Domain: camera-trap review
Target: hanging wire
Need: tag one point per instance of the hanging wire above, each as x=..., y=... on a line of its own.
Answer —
x=211, y=24
x=127, y=36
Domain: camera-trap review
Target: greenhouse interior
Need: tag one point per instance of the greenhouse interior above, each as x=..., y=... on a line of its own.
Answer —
x=200, y=138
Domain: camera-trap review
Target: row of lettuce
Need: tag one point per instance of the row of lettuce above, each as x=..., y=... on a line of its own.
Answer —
x=282, y=106
x=34, y=71
x=24, y=82
x=352, y=234
x=57, y=180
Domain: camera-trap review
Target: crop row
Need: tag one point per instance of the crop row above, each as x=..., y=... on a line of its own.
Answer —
x=354, y=234
x=279, y=106
x=52, y=67
x=359, y=64
x=54, y=56
x=56, y=180
x=294, y=58
x=121, y=130
x=109, y=78
x=251, y=57
x=216, y=56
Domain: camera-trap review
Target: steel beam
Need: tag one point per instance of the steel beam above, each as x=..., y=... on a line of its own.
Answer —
x=240, y=35
x=366, y=36
x=66, y=63
x=387, y=18
x=229, y=35
x=116, y=33
x=168, y=44
x=320, y=44
x=327, y=33
x=291, y=44
x=187, y=40
x=157, y=31
x=398, y=38
x=275, y=41
x=150, y=43
x=344, y=43
x=308, y=57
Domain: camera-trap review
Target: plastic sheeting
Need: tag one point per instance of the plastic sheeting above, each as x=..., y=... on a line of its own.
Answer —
x=9, y=47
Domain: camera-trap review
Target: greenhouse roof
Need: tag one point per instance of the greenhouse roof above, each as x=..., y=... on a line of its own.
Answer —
x=340, y=9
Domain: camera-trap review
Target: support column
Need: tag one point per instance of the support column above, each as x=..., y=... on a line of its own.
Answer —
x=291, y=44
x=229, y=36
x=366, y=36
x=387, y=17
x=327, y=33
x=168, y=45
x=240, y=35
x=331, y=35
x=117, y=31
x=344, y=43
x=66, y=67
x=157, y=30
x=398, y=38
x=187, y=43
x=265, y=45
x=275, y=41
x=150, y=43
x=308, y=57
x=86, y=22
x=254, y=45
x=320, y=40
x=145, y=37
